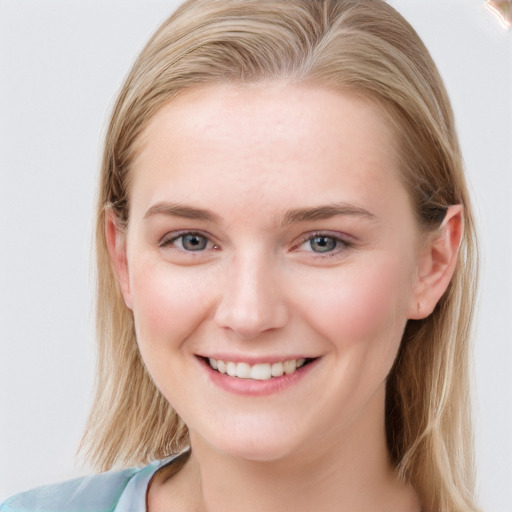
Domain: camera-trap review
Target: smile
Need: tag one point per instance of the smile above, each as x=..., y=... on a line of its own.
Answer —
x=260, y=371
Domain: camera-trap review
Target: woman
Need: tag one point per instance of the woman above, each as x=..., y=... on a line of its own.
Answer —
x=286, y=255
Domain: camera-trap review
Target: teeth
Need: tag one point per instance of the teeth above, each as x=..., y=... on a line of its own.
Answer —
x=231, y=369
x=243, y=371
x=277, y=369
x=261, y=371
x=290, y=366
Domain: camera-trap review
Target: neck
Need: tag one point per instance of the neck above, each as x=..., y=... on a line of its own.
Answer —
x=347, y=470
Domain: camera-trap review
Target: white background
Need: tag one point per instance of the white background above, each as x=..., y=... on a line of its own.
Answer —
x=61, y=63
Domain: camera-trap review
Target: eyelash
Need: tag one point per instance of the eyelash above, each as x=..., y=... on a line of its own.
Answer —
x=171, y=238
x=341, y=244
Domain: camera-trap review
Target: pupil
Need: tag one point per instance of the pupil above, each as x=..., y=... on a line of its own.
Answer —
x=194, y=242
x=323, y=244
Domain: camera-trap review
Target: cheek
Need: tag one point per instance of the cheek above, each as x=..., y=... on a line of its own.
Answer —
x=167, y=304
x=363, y=307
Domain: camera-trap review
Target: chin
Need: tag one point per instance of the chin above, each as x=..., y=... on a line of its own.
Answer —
x=244, y=443
x=262, y=454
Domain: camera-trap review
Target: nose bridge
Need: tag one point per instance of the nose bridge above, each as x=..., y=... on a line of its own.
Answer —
x=252, y=300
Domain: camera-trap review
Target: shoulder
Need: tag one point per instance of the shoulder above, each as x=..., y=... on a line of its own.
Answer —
x=96, y=493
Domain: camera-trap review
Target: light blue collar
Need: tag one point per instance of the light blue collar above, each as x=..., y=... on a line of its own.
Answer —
x=133, y=498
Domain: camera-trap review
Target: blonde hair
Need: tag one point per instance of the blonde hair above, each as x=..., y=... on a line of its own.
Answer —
x=361, y=45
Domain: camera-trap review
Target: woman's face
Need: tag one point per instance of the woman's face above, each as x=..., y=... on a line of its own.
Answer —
x=269, y=230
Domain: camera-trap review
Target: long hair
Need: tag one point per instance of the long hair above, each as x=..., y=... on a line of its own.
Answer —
x=363, y=46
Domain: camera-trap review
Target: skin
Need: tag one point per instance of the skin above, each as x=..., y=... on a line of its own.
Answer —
x=253, y=163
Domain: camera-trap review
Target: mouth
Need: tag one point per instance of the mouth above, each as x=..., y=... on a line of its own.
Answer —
x=259, y=371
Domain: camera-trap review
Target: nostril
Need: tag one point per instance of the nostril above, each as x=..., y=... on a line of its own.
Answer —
x=252, y=300
x=250, y=320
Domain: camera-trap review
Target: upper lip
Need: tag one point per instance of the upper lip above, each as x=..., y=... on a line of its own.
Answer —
x=240, y=358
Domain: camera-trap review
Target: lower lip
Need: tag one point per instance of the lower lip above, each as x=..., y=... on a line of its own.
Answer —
x=251, y=387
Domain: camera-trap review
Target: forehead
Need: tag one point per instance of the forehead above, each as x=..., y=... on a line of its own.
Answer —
x=288, y=142
x=274, y=111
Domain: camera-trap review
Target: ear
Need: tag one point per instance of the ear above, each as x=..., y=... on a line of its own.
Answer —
x=437, y=263
x=116, y=245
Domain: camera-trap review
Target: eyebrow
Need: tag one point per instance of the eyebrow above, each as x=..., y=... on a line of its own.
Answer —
x=293, y=216
x=181, y=210
x=326, y=212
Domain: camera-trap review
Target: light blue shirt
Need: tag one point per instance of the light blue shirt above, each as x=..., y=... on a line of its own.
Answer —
x=114, y=491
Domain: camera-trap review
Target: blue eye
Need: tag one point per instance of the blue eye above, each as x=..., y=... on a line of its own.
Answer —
x=323, y=243
x=189, y=242
x=193, y=242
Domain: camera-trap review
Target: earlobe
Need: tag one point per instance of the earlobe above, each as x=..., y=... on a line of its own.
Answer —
x=437, y=264
x=116, y=245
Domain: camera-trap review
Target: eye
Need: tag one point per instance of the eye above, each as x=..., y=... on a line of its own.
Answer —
x=190, y=242
x=323, y=243
x=193, y=242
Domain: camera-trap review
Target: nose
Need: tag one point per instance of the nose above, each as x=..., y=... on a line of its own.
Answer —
x=252, y=299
